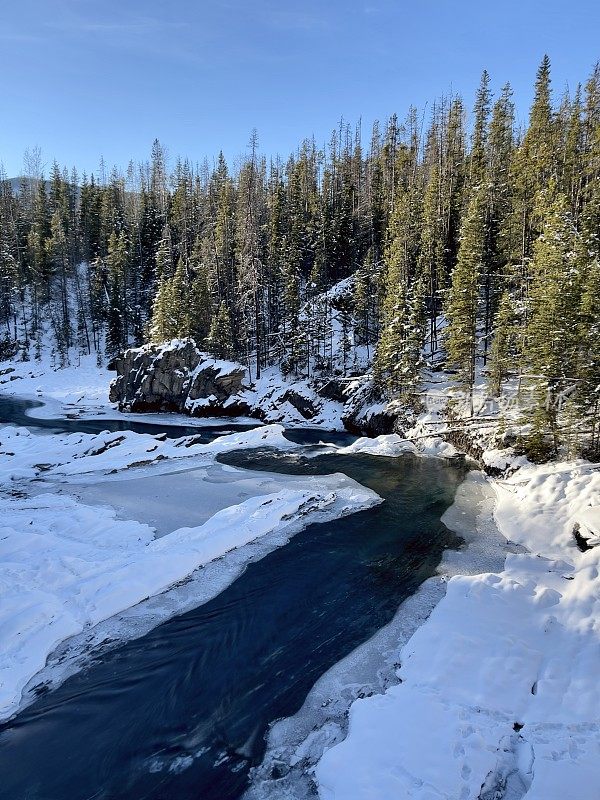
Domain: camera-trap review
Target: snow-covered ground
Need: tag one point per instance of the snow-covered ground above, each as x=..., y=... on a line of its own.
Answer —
x=68, y=566
x=498, y=694
x=80, y=387
x=25, y=454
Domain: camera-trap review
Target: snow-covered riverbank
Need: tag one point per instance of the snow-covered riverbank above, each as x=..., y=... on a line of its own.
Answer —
x=75, y=389
x=498, y=691
x=296, y=745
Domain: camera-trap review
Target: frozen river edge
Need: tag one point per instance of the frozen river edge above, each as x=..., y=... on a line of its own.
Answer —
x=296, y=744
x=485, y=684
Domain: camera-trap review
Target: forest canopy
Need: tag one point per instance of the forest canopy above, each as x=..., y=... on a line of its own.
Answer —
x=458, y=236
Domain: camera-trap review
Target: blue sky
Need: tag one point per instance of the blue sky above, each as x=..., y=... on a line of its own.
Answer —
x=85, y=78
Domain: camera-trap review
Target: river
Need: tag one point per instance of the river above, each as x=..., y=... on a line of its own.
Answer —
x=182, y=712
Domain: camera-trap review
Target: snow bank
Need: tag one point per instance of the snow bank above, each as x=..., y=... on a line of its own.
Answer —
x=391, y=445
x=24, y=454
x=385, y=445
x=499, y=692
x=296, y=744
x=79, y=387
x=67, y=566
x=588, y=524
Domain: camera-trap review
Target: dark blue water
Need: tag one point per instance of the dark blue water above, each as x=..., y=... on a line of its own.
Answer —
x=181, y=713
x=15, y=410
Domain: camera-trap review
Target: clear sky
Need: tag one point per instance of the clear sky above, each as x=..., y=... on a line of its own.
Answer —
x=85, y=78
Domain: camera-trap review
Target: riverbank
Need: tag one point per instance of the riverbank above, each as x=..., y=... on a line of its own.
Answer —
x=485, y=683
x=497, y=693
x=296, y=745
x=220, y=673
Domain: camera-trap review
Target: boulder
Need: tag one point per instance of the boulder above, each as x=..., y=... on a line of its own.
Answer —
x=177, y=377
x=303, y=405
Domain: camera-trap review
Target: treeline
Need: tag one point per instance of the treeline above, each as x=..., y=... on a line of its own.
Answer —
x=478, y=241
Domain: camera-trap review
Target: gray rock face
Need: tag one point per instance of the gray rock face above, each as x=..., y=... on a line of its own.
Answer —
x=303, y=405
x=366, y=415
x=177, y=378
x=333, y=389
x=373, y=424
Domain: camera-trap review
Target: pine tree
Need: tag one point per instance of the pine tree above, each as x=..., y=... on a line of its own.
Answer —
x=534, y=164
x=500, y=145
x=58, y=254
x=431, y=251
x=200, y=300
x=463, y=301
x=398, y=355
x=219, y=341
x=588, y=391
x=164, y=255
x=503, y=352
x=478, y=155
x=161, y=329
x=551, y=344
x=180, y=310
x=117, y=260
x=9, y=275
x=571, y=167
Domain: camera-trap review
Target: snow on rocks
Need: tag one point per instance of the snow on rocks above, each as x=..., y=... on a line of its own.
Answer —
x=177, y=376
x=389, y=445
x=499, y=691
x=587, y=522
x=392, y=445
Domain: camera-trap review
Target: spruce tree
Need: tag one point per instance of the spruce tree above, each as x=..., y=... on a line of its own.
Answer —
x=219, y=341
x=588, y=390
x=535, y=163
x=463, y=301
x=478, y=155
x=398, y=356
x=199, y=299
x=161, y=327
x=551, y=343
x=503, y=352
x=116, y=338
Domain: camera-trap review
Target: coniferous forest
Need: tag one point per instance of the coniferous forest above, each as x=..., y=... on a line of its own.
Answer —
x=467, y=244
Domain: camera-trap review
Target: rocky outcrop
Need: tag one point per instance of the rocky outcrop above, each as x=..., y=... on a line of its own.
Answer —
x=304, y=405
x=178, y=377
x=365, y=415
x=332, y=389
x=374, y=423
